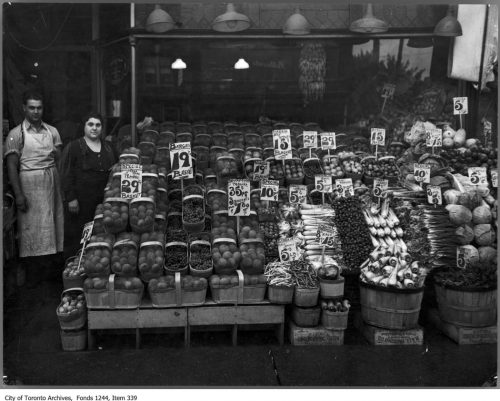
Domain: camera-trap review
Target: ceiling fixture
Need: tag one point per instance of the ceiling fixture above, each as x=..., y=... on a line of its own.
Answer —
x=449, y=25
x=241, y=64
x=159, y=21
x=369, y=24
x=296, y=24
x=420, y=43
x=178, y=64
x=231, y=21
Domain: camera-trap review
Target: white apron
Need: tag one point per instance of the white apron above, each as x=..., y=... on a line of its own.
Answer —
x=41, y=227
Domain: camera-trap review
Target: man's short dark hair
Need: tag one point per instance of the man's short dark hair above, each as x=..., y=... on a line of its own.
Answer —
x=32, y=95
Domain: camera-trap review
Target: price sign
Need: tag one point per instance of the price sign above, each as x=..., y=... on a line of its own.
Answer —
x=379, y=187
x=287, y=248
x=463, y=257
x=181, y=161
x=494, y=178
x=388, y=90
x=260, y=170
x=422, y=172
x=131, y=181
x=434, y=137
x=434, y=196
x=487, y=127
x=460, y=105
x=269, y=190
x=328, y=140
x=477, y=175
x=310, y=139
x=377, y=136
x=323, y=183
x=325, y=235
x=297, y=194
x=238, y=192
x=87, y=231
x=344, y=187
x=282, y=144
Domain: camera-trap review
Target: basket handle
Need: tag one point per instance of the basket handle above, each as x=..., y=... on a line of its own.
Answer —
x=71, y=289
x=178, y=297
x=239, y=299
x=112, y=302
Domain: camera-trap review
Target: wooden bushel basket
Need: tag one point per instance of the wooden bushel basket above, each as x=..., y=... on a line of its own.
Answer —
x=390, y=308
x=467, y=307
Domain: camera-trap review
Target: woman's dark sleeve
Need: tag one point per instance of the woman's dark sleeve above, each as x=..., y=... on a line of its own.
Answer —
x=68, y=170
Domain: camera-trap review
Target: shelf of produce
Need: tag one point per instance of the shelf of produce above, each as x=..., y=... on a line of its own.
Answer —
x=463, y=335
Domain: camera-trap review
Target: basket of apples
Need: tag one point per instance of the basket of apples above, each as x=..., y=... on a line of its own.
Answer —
x=72, y=309
x=330, y=281
x=113, y=292
x=73, y=274
x=238, y=288
x=177, y=290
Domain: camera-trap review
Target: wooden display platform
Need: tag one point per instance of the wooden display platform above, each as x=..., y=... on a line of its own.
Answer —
x=318, y=335
x=184, y=317
x=464, y=335
x=380, y=336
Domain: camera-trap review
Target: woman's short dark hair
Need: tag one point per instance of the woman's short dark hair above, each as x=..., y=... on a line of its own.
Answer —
x=92, y=114
x=31, y=95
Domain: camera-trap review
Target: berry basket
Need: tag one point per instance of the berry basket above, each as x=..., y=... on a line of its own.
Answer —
x=176, y=258
x=72, y=311
x=151, y=260
x=177, y=291
x=240, y=289
x=200, y=255
x=107, y=296
x=97, y=259
x=142, y=214
x=193, y=213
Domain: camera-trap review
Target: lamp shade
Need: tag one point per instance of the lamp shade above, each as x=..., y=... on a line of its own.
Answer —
x=178, y=64
x=241, y=64
x=448, y=26
x=296, y=24
x=369, y=24
x=231, y=21
x=159, y=21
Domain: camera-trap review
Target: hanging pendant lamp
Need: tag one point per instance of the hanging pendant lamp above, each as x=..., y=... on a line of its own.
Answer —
x=296, y=24
x=369, y=24
x=231, y=21
x=241, y=64
x=449, y=25
x=159, y=21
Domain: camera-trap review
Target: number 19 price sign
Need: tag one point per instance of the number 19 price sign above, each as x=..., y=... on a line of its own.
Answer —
x=181, y=161
x=131, y=181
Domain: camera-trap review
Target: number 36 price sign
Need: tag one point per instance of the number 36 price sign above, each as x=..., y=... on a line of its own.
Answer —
x=180, y=160
x=131, y=181
x=238, y=192
x=287, y=249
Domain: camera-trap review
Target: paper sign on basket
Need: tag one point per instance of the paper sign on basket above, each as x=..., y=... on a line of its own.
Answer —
x=269, y=190
x=388, y=90
x=328, y=140
x=377, y=136
x=287, y=249
x=460, y=105
x=344, y=187
x=260, y=170
x=434, y=137
x=181, y=161
x=434, y=196
x=477, y=175
x=238, y=192
x=310, y=139
x=87, y=231
x=422, y=172
x=297, y=194
x=131, y=181
x=494, y=178
x=282, y=144
x=380, y=185
x=325, y=235
x=463, y=257
x=323, y=183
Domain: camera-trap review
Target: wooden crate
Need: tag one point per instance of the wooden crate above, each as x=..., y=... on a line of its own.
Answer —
x=380, y=336
x=314, y=335
x=464, y=335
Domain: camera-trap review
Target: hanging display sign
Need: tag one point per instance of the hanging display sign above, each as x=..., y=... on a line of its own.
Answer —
x=388, y=90
x=269, y=190
x=434, y=137
x=344, y=187
x=325, y=235
x=460, y=105
x=87, y=231
x=181, y=162
x=238, y=192
x=323, y=183
x=434, y=196
x=310, y=139
x=328, y=140
x=380, y=187
x=260, y=170
x=282, y=144
x=297, y=194
x=287, y=249
x=377, y=136
x=422, y=173
x=477, y=175
x=131, y=181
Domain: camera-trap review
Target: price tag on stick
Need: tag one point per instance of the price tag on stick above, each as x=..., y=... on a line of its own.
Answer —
x=463, y=257
x=325, y=235
x=434, y=196
x=260, y=170
x=344, y=187
x=310, y=139
x=477, y=175
x=380, y=187
x=131, y=181
x=181, y=161
x=422, y=173
x=282, y=144
x=434, y=138
x=269, y=190
x=328, y=141
x=238, y=192
x=87, y=232
x=323, y=183
x=297, y=194
x=287, y=249
x=377, y=137
x=460, y=106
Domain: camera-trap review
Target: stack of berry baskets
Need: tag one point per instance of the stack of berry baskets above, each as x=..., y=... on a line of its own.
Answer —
x=210, y=180
x=219, y=139
x=151, y=259
x=202, y=155
x=294, y=171
x=162, y=156
x=193, y=213
x=72, y=309
x=214, y=127
x=253, y=140
x=267, y=141
x=150, y=135
x=166, y=138
x=215, y=153
x=160, y=221
x=200, y=257
x=115, y=215
x=199, y=128
x=142, y=214
x=149, y=184
x=248, y=128
x=148, y=150
x=351, y=164
x=332, y=166
x=184, y=136
x=176, y=257
x=124, y=258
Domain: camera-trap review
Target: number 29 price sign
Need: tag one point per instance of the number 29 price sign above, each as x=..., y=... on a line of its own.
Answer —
x=238, y=192
x=131, y=181
x=181, y=161
x=328, y=141
x=287, y=249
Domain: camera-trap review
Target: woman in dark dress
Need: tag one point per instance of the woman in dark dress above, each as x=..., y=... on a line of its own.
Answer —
x=85, y=166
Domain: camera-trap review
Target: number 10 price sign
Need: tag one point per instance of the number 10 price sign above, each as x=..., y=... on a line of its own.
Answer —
x=269, y=190
x=131, y=181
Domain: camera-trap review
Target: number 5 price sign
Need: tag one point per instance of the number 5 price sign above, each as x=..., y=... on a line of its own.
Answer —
x=287, y=249
x=460, y=106
x=463, y=257
x=323, y=184
x=434, y=196
x=377, y=137
x=477, y=175
x=131, y=181
x=297, y=194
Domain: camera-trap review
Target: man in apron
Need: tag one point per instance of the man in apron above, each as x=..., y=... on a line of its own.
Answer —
x=31, y=150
